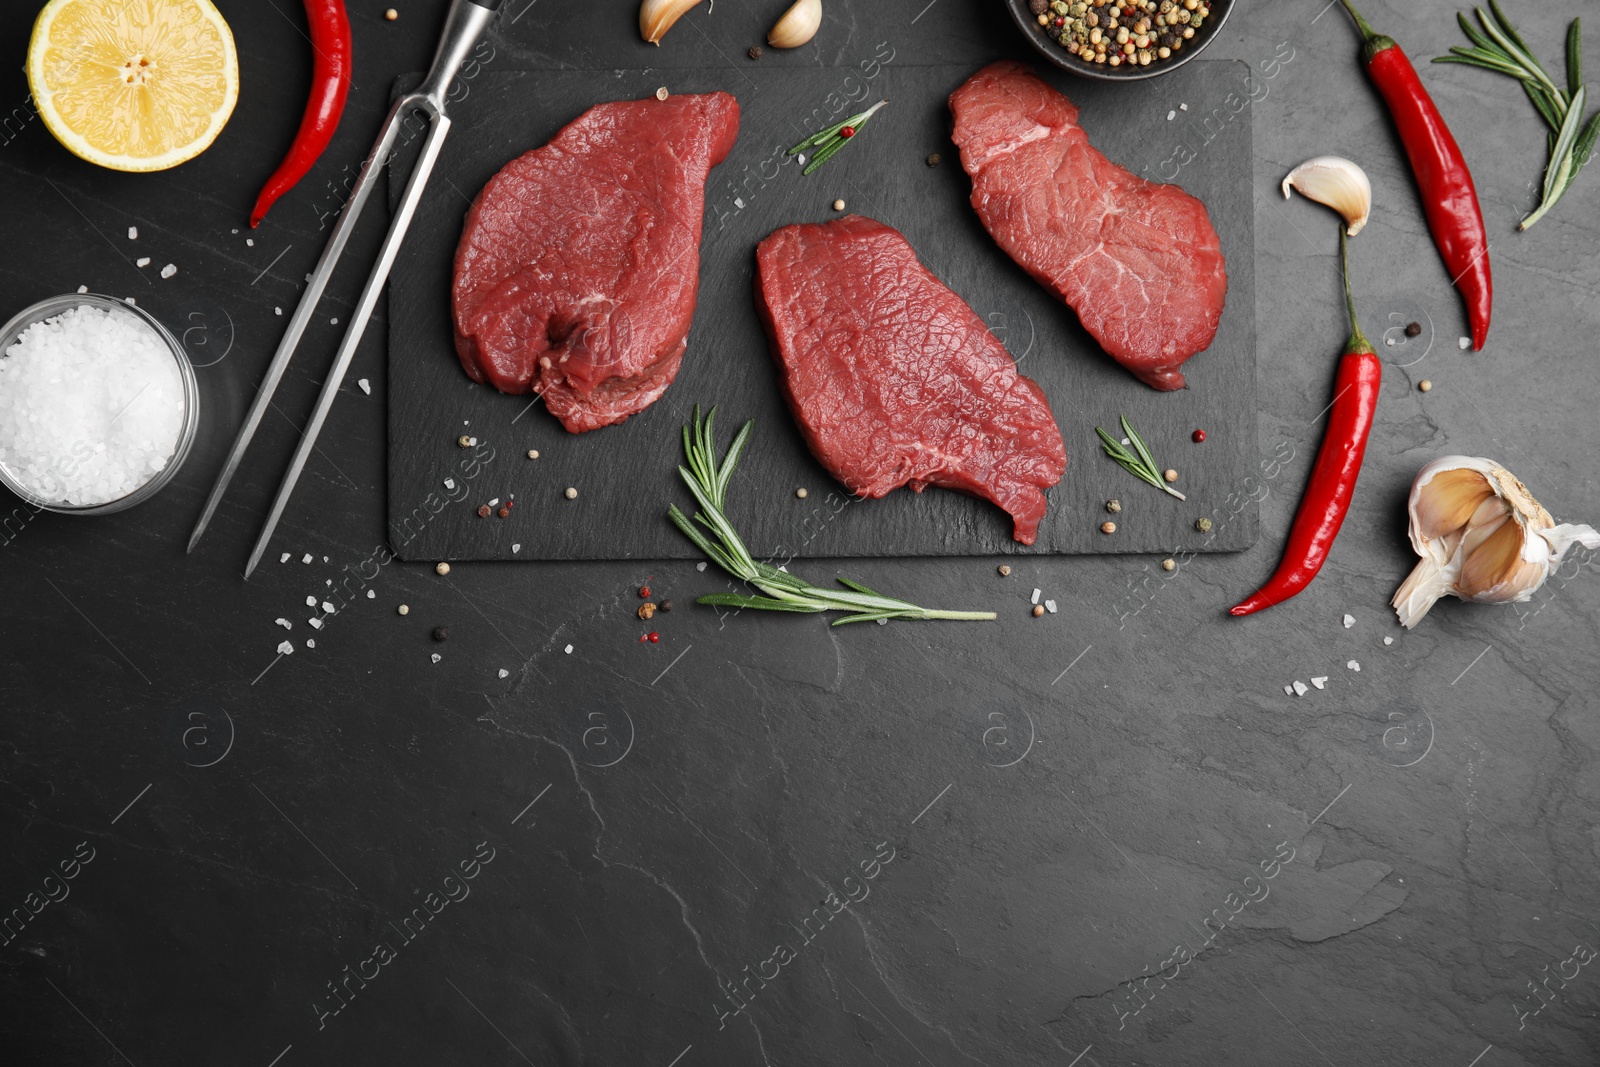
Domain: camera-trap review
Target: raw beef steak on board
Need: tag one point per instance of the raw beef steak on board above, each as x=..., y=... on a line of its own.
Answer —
x=579, y=263
x=894, y=380
x=1138, y=261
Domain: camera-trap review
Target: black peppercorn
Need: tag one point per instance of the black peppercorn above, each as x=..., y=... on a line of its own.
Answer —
x=1038, y=7
x=755, y=51
x=1413, y=329
x=441, y=633
x=666, y=605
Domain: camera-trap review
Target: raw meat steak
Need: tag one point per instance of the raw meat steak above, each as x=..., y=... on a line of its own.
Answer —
x=579, y=262
x=894, y=380
x=1139, y=262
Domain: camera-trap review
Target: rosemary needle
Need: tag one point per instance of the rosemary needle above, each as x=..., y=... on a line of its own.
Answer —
x=828, y=142
x=1139, y=462
x=707, y=479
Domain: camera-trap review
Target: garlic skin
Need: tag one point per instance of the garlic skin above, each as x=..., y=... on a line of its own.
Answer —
x=797, y=26
x=1482, y=537
x=656, y=17
x=1337, y=183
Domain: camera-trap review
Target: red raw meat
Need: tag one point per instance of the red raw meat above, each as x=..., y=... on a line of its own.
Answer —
x=1139, y=262
x=579, y=262
x=894, y=380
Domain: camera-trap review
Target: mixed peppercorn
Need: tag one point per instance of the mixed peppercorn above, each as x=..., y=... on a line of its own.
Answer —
x=1117, y=32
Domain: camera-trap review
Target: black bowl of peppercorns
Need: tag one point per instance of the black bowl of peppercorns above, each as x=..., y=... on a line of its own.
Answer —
x=1119, y=40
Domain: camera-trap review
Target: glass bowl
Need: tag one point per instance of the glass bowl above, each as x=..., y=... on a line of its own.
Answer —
x=47, y=309
x=1028, y=23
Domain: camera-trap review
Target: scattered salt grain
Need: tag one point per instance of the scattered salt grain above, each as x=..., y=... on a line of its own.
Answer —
x=333, y=322
x=306, y=558
x=1353, y=666
x=1320, y=683
x=235, y=230
x=1171, y=115
x=311, y=601
x=1300, y=688
x=1050, y=606
x=700, y=566
x=130, y=301
x=1349, y=621
x=495, y=502
x=83, y=288
x=372, y=594
x=285, y=649
x=277, y=311
x=327, y=608
x=325, y=559
x=1288, y=690
x=1035, y=598
x=311, y=642
x=93, y=406
x=250, y=242
x=284, y=558
x=169, y=270
x=436, y=657
x=1463, y=343
x=516, y=548
x=285, y=623
x=142, y=261
x=366, y=386
x=314, y=622
x=1183, y=107
x=133, y=233
x=449, y=483
x=569, y=650
x=1388, y=640
x=504, y=673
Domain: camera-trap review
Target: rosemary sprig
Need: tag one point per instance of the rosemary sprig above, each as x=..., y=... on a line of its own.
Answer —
x=828, y=142
x=707, y=480
x=1139, y=462
x=1497, y=46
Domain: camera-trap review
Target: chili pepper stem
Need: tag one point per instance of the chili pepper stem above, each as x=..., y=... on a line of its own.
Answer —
x=1372, y=41
x=1358, y=341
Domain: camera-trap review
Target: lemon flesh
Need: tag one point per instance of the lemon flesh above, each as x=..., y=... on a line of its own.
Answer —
x=135, y=85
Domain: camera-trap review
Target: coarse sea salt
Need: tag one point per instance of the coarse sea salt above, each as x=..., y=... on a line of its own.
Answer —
x=169, y=270
x=91, y=406
x=366, y=386
x=284, y=558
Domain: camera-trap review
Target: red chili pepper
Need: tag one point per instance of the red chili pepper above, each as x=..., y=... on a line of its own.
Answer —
x=1333, y=478
x=1448, y=196
x=330, y=84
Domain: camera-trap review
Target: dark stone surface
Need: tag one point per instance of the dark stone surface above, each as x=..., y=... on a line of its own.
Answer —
x=883, y=174
x=1067, y=799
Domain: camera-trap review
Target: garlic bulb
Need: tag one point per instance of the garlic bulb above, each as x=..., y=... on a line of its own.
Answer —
x=1482, y=537
x=657, y=16
x=1337, y=183
x=798, y=25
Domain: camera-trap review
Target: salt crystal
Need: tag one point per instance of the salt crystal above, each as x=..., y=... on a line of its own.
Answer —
x=285, y=623
x=504, y=673
x=1320, y=683
x=449, y=483
x=436, y=657
x=142, y=261
x=314, y=622
x=1389, y=341
x=1349, y=621
x=250, y=242
x=1353, y=666
x=739, y=203
x=333, y=322
x=277, y=311
x=306, y=558
x=83, y=288
x=700, y=566
x=1050, y=606
x=516, y=548
x=1463, y=343
x=366, y=386
x=1035, y=598
x=1171, y=115
x=1300, y=688
x=129, y=301
x=372, y=595
x=1288, y=690
x=1183, y=107
x=285, y=649
x=325, y=559
x=235, y=230
x=1388, y=640
x=495, y=502
x=169, y=270
x=569, y=650
x=284, y=558
x=311, y=642
x=93, y=406
x=327, y=608
x=133, y=233
x=311, y=601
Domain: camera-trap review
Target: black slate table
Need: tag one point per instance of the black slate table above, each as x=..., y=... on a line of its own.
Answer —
x=1104, y=837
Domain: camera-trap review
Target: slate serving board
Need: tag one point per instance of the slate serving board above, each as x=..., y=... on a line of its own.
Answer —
x=626, y=475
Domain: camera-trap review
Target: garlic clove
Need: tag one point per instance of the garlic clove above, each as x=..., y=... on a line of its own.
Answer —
x=798, y=25
x=1482, y=537
x=1337, y=183
x=656, y=17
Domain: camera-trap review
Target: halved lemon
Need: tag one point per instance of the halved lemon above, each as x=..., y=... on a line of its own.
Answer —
x=135, y=85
